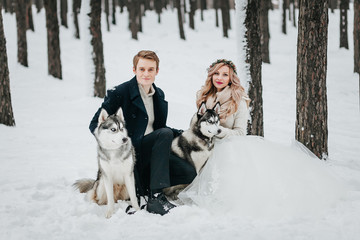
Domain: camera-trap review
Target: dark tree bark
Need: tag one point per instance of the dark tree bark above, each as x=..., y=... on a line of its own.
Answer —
x=203, y=6
x=76, y=10
x=357, y=36
x=140, y=13
x=311, y=96
x=122, y=4
x=344, y=6
x=158, y=9
x=134, y=11
x=264, y=30
x=180, y=19
x=107, y=12
x=147, y=5
x=6, y=110
x=63, y=12
x=284, y=16
x=98, y=52
x=39, y=5
x=293, y=12
x=29, y=18
x=216, y=7
x=333, y=5
x=193, y=6
x=20, y=9
x=252, y=22
x=113, y=12
x=9, y=6
x=53, y=42
x=225, y=17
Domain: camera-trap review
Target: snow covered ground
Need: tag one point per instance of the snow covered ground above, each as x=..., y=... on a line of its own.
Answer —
x=51, y=146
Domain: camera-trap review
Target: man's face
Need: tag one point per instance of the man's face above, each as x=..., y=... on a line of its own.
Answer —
x=145, y=72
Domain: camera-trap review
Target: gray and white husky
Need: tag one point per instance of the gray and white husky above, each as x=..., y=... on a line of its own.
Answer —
x=116, y=160
x=196, y=144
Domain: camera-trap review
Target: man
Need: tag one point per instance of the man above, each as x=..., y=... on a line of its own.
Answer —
x=145, y=112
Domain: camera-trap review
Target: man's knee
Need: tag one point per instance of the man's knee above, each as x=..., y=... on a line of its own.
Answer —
x=165, y=133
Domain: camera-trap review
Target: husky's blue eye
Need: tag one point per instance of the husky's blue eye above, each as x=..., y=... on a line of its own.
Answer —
x=113, y=129
x=209, y=121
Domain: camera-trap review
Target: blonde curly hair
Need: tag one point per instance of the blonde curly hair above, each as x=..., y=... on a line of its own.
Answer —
x=237, y=90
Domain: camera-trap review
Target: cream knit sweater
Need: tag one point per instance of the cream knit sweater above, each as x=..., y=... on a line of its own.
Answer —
x=149, y=106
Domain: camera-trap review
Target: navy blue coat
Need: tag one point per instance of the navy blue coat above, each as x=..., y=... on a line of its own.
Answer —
x=127, y=96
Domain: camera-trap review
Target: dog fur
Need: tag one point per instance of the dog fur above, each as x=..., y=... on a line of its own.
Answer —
x=116, y=159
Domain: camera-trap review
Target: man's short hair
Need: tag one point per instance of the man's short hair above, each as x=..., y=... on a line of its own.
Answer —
x=147, y=54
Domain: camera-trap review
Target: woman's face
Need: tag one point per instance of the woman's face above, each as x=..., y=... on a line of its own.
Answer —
x=221, y=78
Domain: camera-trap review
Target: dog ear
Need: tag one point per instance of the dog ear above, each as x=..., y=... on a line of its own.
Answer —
x=103, y=116
x=120, y=114
x=217, y=108
x=202, y=109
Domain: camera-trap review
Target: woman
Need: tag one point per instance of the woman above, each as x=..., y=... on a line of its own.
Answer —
x=250, y=176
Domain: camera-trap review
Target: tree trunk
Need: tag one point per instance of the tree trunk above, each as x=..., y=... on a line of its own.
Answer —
x=140, y=13
x=76, y=10
x=9, y=6
x=225, y=18
x=344, y=6
x=113, y=12
x=357, y=36
x=147, y=5
x=20, y=9
x=98, y=53
x=29, y=18
x=53, y=42
x=39, y=5
x=252, y=22
x=122, y=4
x=6, y=111
x=63, y=12
x=203, y=6
x=192, y=14
x=333, y=5
x=107, y=14
x=133, y=18
x=311, y=96
x=158, y=9
x=293, y=12
x=264, y=30
x=180, y=19
x=216, y=6
x=284, y=17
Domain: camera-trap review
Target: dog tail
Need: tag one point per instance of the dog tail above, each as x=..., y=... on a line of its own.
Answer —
x=84, y=185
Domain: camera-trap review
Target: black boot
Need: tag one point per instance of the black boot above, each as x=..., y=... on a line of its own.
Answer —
x=159, y=204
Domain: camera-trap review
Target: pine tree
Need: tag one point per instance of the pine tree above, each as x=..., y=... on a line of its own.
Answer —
x=357, y=36
x=180, y=19
x=98, y=52
x=63, y=12
x=53, y=42
x=20, y=9
x=252, y=22
x=264, y=30
x=6, y=111
x=344, y=6
x=311, y=96
x=76, y=10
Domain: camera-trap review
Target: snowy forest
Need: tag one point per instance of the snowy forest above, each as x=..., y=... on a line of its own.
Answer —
x=299, y=61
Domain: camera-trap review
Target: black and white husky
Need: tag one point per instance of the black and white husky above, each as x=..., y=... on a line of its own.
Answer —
x=116, y=160
x=196, y=144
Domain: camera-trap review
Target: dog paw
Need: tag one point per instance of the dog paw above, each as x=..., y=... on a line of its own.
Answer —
x=109, y=213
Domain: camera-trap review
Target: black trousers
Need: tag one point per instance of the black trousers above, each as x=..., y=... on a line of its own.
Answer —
x=157, y=167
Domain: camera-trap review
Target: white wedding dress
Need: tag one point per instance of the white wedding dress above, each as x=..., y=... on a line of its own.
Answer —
x=252, y=177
